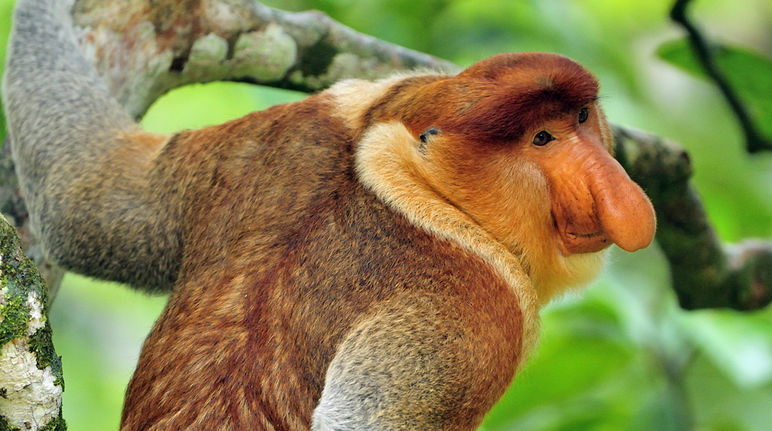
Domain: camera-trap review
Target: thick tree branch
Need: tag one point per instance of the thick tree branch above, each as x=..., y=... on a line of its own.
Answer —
x=144, y=49
x=754, y=140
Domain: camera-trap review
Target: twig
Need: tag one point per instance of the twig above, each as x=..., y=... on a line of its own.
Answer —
x=754, y=140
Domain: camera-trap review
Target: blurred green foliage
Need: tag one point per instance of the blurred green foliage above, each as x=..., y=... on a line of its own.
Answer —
x=619, y=356
x=750, y=74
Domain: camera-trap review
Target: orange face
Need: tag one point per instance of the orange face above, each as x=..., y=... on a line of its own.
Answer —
x=520, y=144
x=593, y=201
x=558, y=184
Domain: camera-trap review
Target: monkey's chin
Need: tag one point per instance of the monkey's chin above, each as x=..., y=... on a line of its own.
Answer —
x=566, y=272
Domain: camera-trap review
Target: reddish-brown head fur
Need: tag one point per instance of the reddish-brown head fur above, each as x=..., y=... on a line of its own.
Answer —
x=498, y=98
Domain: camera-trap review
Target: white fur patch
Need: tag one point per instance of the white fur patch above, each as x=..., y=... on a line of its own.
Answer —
x=354, y=96
x=384, y=165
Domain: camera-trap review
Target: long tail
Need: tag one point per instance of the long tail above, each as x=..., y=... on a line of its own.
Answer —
x=87, y=172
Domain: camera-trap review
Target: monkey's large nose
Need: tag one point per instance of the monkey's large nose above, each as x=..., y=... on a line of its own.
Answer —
x=594, y=201
x=624, y=210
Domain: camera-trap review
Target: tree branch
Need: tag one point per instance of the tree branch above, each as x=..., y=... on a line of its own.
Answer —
x=705, y=274
x=143, y=51
x=754, y=140
x=31, y=382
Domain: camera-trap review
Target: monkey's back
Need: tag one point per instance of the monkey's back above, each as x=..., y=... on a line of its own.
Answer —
x=295, y=256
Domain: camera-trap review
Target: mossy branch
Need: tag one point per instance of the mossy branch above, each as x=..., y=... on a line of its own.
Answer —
x=31, y=382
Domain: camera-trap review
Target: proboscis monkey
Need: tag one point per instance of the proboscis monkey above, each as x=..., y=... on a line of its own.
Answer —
x=370, y=258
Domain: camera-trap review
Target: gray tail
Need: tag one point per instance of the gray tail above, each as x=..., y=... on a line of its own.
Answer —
x=49, y=82
x=93, y=211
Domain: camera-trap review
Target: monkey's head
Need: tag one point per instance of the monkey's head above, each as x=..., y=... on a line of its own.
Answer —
x=519, y=143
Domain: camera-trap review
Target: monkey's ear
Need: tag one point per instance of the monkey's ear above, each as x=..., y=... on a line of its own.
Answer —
x=425, y=137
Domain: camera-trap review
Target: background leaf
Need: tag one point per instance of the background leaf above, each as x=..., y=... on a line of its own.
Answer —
x=749, y=73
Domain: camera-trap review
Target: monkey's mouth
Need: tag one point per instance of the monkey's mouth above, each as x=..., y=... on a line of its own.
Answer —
x=584, y=235
x=574, y=238
x=579, y=242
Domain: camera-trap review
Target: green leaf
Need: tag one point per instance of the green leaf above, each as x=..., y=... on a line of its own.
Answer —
x=737, y=343
x=749, y=73
x=574, y=376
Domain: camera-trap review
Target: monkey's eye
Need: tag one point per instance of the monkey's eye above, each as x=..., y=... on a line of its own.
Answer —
x=583, y=114
x=542, y=138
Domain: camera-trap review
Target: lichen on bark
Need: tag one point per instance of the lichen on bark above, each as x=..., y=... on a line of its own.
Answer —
x=31, y=381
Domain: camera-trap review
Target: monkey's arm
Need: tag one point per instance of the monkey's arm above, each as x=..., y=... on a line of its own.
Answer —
x=418, y=363
x=85, y=168
x=425, y=362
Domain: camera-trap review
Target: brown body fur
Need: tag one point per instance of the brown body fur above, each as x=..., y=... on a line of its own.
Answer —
x=260, y=309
